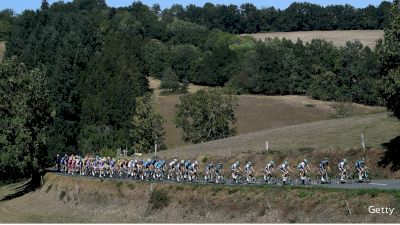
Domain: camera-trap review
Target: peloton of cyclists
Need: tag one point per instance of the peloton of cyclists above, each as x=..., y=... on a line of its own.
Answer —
x=189, y=170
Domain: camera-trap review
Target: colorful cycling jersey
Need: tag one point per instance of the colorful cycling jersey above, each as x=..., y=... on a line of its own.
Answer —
x=158, y=165
x=187, y=164
x=302, y=166
x=323, y=164
x=341, y=165
x=171, y=164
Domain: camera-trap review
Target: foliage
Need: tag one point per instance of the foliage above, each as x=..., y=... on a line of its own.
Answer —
x=147, y=125
x=24, y=119
x=6, y=23
x=206, y=115
x=170, y=81
x=389, y=53
x=159, y=199
x=108, y=152
x=299, y=16
x=343, y=109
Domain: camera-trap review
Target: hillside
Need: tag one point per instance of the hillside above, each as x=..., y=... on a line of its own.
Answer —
x=334, y=134
x=338, y=37
x=2, y=50
x=257, y=112
x=79, y=200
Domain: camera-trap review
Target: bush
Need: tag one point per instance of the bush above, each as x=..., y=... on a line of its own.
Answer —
x=108, y=152
x=343, y=109
x=204, y=160
x=159, y=199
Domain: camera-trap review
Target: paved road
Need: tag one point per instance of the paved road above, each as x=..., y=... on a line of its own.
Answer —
x=375, y=184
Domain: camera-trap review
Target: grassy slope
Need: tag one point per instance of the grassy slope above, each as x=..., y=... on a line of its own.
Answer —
x=2, y=50
x=338, y=37
x=256, y=112
x=329, y=134
x=77, y=200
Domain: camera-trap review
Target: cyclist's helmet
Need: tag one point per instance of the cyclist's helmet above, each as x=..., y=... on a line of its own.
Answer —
x=249, y=163
x=345, y=160
x=182, y=161
x=305, y=161
x=196, y=162
x=286, y=162
x=272, y=162
x=237, y=162
x=175, y=160
x=326, y=159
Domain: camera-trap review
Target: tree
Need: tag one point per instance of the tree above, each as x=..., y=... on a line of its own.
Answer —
x=389, y=54
x=206, y=115
x=147, y=125
x=170, y=81
x=24, y=120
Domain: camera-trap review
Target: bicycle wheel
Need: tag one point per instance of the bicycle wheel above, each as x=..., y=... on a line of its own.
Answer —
x=367, y=178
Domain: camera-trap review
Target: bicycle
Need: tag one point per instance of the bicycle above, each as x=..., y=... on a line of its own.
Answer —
x=348, y=178
x=285, y=180
x=305, y=181
x=365, y=176
x=270, y=179
x=327, y=178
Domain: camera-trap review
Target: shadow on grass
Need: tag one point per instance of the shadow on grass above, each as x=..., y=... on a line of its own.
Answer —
x=391, y=155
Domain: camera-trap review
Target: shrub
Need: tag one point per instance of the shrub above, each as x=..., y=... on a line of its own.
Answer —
x=159, y=199
x=108, y=152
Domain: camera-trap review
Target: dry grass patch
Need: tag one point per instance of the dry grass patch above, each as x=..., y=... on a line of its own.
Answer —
x=2, y=50
x=337, y=134
x=338, y=37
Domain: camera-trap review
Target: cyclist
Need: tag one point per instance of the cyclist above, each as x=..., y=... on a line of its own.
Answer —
x=285, y=169
x=248, y=168
x=192, y=170
x=269, y=168
x=218, y=172
x=235, y=169
x=209, y=172
x=323, y=168
x=303, y=166
x=343, y=169
x=360, y=167
x=171, y=169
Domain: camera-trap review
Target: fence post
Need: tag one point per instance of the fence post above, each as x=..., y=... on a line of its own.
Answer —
x=266, y=146
x=362, y=141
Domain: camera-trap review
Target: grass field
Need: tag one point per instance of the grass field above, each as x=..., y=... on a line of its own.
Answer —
x=334, y=134
x=257, y=112
x=2, y=50
x=338, y=37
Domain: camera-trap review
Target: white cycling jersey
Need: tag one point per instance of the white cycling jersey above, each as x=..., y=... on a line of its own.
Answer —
x=269, y=167
x=283, y=167
x=341, y=165
x=302, y=165
x=248, y=168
